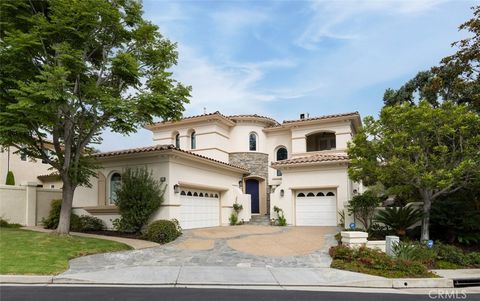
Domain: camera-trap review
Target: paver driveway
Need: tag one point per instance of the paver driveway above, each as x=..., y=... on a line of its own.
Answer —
x=240, y=246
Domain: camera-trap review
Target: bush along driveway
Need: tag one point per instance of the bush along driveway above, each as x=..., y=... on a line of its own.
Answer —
x=28, y=252
x=412, y=260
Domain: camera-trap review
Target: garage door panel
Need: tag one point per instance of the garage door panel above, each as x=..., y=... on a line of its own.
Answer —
x=199, y=211
x=316, y=211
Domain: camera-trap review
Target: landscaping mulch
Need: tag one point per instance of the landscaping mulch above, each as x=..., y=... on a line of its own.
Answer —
x=117, y=234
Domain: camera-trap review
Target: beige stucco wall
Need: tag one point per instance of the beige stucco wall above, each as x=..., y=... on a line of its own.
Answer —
x=26, y=205
x=24, y=171
x=342, y=131
x=275, y=140
x=212, y=138
x=45, y=197
x=13, y=204
x=206, y=175
x=176, y=169
x=332, y=177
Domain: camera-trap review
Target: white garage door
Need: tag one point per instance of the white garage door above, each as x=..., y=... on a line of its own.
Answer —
x=199, y=209
x=316, y=208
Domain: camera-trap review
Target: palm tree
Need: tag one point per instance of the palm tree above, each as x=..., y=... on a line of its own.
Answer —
x=399, y=218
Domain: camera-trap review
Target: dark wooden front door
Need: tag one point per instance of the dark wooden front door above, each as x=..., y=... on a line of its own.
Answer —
x=252, y=188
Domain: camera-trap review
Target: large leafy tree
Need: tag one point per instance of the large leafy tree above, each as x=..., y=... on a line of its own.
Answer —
x=72, y=68
x=457, y=78
x=433, y=151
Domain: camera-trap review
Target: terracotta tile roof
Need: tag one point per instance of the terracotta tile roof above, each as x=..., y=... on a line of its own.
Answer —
x=322, y=117
x=315, y=158
x=274, y=123
x=216, y=113
x=253, y=116
x=53, y=174
x=159, y=148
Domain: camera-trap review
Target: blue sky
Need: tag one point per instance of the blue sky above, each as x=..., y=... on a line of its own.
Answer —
x=283, y=58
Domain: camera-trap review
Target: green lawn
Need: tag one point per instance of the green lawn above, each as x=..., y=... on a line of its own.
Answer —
x=29, y=252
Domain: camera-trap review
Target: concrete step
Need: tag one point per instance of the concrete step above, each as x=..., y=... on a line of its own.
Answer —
x=259, y=220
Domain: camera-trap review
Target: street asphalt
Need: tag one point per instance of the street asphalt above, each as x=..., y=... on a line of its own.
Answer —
x=61, y=293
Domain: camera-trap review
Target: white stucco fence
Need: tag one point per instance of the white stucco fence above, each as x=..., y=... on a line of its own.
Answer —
x=26, y=204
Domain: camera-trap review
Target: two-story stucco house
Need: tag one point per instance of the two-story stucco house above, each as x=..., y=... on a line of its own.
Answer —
x=208, y=162
x=24, y=168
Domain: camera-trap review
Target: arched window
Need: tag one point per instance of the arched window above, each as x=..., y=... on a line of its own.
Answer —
x=310, y=194
x=206, y=195
x=330, y=194
x=195, y=194
x=321, y=141
x=301, y=195
x=252, y=139
x=177, y=140
x=189, y=193
x=201, y=194
x=193, y=140
x=282, y=154
x=183, y=192
x=320, y=194
x=115, y=184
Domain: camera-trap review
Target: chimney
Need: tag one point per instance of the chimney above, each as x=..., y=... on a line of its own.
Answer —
x=302, y=116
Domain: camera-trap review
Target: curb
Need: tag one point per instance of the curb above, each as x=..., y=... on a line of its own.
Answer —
x=26, y=279
x=405, y=283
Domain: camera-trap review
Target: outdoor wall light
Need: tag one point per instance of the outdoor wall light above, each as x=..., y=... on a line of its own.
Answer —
x=355, y=192
x=240, y=184
x=282, y=192
x=176, y=188
x=163, y=179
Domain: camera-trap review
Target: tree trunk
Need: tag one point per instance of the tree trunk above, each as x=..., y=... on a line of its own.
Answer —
x=427, y=205
x=66, y=211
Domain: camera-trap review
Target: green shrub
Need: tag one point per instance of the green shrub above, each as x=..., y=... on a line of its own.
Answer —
x=77, y=224
x=281, y=220
x=10, y=178
x=51, y=222
x=399, y=218
x=375, y=262
x=163, y=231
x=338, y=238
x=405, y=251
x=473, y=259
x=362, y=207
x=341, y=252
x=90, y=223
x=450, y=254
x=233, y=219
x=5, y=224
x=137, y=199
x=378, y=232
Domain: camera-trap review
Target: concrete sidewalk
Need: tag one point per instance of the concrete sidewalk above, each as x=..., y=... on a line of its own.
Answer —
x=232, y=276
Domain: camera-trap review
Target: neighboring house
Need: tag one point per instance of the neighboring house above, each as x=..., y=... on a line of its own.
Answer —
x=24, y=168
x=210, y=161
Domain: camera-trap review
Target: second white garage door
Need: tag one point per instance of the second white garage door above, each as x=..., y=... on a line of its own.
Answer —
x=199, y=209
x=316, y=208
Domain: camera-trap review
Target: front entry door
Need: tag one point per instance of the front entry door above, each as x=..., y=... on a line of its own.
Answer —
x=251, y=187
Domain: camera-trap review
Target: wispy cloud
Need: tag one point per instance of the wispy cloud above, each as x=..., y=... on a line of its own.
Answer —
x=327, y=19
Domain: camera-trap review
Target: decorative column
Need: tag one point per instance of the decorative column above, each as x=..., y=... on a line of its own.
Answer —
x=31, y=203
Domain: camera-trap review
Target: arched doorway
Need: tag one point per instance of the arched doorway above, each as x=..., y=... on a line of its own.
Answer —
x=252, y=188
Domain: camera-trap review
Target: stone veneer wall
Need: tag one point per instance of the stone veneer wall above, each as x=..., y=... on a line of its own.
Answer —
x=257, y=164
